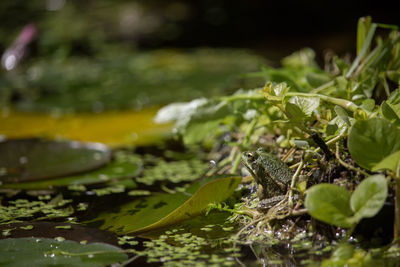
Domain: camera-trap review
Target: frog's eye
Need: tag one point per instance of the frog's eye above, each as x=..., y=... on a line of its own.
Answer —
x=249, y=155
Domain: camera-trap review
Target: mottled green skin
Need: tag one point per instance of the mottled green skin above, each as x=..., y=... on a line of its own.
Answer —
x=269, y=171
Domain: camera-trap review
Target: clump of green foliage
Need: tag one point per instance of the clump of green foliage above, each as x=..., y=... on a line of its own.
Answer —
x=345, y=117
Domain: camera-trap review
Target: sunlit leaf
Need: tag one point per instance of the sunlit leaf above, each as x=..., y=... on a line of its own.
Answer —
x=161, y=210
x=305, y=105
x=329, y=203
x=391, y=162
x=369, y=197
x=15, y=252
x=373, y=140
x=114, y=128
x=33, y=159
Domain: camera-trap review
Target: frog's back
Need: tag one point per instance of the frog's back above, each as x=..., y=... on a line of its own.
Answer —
x=277, y=168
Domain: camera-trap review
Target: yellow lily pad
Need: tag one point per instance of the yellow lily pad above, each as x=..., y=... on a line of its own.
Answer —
x=114, y=128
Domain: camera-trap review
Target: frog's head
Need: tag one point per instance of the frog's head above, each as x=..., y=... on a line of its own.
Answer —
x=249, y=159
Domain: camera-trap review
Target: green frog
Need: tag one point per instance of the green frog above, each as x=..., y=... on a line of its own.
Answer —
x=271, y=174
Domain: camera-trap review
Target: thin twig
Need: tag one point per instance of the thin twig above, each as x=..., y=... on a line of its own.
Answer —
x=346, y=165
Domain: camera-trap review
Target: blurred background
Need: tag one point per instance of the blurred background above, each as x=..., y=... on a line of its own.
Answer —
x=87, y=55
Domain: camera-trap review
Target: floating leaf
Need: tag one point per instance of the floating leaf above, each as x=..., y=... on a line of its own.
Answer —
x=120, y=168
x=161, y=210
x=114, y=128
x=373, y=140
x=74, y=232
x=33, y=159
x=391, y=162
x=15, y=252
x=329, y=203
x=369, y=197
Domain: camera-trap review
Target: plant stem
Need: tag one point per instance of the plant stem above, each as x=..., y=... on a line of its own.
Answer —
x=246, y=140
x=350, y=106
x=337, y=101
x=293, y=183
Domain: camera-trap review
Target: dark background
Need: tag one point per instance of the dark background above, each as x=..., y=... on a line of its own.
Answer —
x=273, y=28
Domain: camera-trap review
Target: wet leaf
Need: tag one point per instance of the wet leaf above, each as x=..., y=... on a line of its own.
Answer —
x=369, y=197
x=74, y=232
x=373, y=140
x=49, y=252
x=161, y=210
x=329, y=203
x=118, y=169
x=34, y=159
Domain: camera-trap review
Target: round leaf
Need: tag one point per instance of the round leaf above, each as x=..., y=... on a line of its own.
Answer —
x=34, y=159
x=369, y=197
x=329, y=203
x=373, y=140
x=49, y=252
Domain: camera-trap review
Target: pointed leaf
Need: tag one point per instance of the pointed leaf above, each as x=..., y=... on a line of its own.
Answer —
x=161, y=210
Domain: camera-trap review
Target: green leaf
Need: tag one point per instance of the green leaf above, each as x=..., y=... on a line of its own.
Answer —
x=120, y=168
x=305, y=104
x=388, y=112
x=33, y=159
x=391, y=162
x=372, y=140
x=394, y=102
x=369, y=197
x=15, y=252
x=368, y=104
x=300, y=59
x=329, y=203
x=157, y=211
x=363, y=26
x=341, y=112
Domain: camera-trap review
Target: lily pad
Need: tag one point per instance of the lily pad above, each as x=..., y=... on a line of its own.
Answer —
x=74, y=232
x=49, y=252
x=113, y=128
x=24, y=160
x=161, y=210
x=120, y=168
